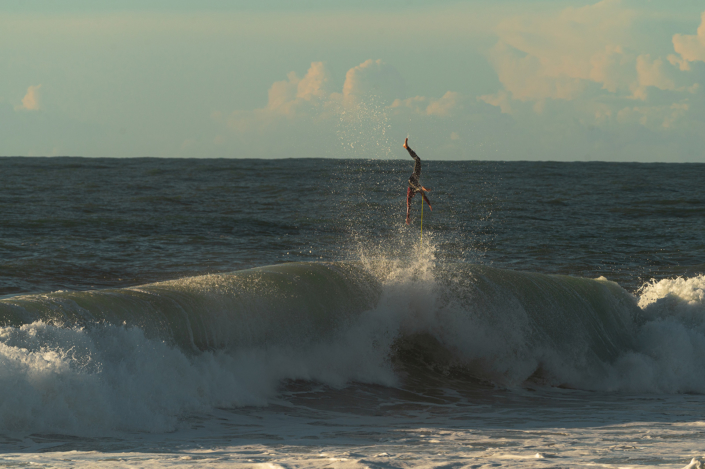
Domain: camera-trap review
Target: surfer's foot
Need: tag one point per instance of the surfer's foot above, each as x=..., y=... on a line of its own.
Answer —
x=406, y=146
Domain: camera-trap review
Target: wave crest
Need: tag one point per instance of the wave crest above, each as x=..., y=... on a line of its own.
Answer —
x=137, y=358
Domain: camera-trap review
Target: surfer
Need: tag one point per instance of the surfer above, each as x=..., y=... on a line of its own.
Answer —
x=414, y=185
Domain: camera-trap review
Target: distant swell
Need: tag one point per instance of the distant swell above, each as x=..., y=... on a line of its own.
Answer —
x=138, y=358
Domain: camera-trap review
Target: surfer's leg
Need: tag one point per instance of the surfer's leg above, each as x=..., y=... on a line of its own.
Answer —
x=412, y=153
x=426, y=199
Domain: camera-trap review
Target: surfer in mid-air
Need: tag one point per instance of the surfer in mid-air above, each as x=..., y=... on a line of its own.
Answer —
x=414, y=185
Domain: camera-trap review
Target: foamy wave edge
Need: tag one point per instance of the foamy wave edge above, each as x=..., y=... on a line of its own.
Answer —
x=89, y=365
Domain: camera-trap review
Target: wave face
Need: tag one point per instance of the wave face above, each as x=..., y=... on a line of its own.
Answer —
x=138, y=358
x=281, y=304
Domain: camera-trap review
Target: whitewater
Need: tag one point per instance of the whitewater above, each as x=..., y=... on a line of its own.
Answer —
x=392, y=353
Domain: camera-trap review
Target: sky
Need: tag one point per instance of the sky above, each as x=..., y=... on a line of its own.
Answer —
x=563, y=80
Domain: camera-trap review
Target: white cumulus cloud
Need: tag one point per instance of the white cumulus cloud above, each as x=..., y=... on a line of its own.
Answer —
x=30, y=102
x=353, y=119
x=691, y=47
x=373, y=79
x=591, y=57
x=370, y=88
x=442, y=107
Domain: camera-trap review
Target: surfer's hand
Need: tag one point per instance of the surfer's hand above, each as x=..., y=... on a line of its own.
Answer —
x=425, y=190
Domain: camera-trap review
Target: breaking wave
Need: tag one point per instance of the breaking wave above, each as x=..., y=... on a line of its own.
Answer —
x=139, y=358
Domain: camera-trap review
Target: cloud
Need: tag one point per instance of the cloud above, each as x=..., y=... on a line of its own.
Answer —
x=530, y=78
x=653, y=117
x=690, y=47
x=652, y=73
x=369, y=90
x=555, y=56
x=287, y=99
x=613, y=68
x=373, y=79
x=422, y=105
x=502, y=100
x=443, y=107
x=594, y=109
x=294, y=94
x=353, y=120
x=30, y=102
x=592, y=58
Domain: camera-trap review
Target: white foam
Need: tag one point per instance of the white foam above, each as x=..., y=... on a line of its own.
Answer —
x=670, y=352
x=111, y=378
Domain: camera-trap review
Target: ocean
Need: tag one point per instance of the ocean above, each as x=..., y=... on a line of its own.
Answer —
x=280, y=313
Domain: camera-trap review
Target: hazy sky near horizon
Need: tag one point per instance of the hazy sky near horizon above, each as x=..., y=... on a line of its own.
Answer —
x=615, y=80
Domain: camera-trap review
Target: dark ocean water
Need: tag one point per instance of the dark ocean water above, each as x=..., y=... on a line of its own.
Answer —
x=167, y=312
x=79, y=223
